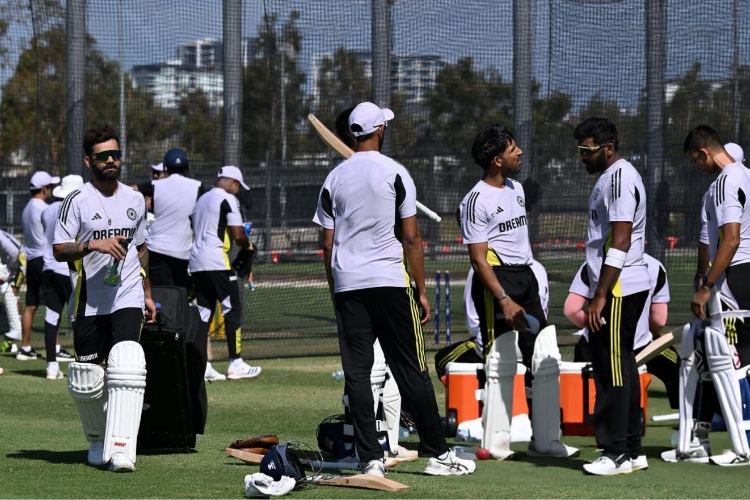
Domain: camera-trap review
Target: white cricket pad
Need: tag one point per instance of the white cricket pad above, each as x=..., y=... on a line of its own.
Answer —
x=86, y=385
x=688, y=384
x=500, y=369
x=385, y=391
x=721, y=367
x=11, y=307
x=126, y=374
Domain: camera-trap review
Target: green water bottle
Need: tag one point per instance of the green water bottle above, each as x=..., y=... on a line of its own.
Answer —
x=112, y=278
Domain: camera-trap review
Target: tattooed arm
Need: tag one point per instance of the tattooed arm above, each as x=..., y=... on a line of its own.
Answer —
x=69, y=252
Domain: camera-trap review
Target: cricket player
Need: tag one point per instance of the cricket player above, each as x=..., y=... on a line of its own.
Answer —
x=10, y=257
x=620, y=283
x=99, y=229
x=367, y=209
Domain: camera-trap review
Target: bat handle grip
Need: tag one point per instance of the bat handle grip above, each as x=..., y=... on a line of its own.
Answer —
x=429, y=213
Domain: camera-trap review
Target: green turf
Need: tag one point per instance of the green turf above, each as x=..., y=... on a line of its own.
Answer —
x=43, y=451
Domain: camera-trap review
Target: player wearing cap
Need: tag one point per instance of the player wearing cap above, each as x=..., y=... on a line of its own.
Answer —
x=367, y=208
x=620, y=283
x=33, y=240
x=10, y=252
x=56, y=285
x=100, y=228
x=217, y=222
x=170, y=236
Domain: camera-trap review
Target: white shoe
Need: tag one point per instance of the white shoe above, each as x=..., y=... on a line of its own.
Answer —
x=2, y=371
x=243, y=371
x=639, y=463
x=13, y=335
x=375, y=468
x=54, y=373
x=729, y=459
x=450, y=466
x=121, y=463
x=212, y=375
x=96, y=453
x=605, y=466
x=697, y=453
x=402, y=455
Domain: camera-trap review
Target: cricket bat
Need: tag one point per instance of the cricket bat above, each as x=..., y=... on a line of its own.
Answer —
x=245, y=456
x=255, y=459
x=333, y=141
x=655, y=348
x=366, y=481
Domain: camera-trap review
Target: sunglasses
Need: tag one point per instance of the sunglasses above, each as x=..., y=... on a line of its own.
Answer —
x=104, y=155
x=588, y=151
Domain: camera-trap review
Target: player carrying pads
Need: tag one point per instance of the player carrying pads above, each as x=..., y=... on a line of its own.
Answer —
x=367, y=208
x=620, y=282
x=100, y=233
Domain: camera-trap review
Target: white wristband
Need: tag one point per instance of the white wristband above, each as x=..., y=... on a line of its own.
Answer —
x=615, y=258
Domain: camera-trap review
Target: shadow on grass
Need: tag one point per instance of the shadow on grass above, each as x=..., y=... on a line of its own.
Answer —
x=53, y=457
x=41, y=373
x=572, y=463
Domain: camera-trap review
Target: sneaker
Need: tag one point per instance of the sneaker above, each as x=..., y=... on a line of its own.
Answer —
x=639, y=463
x=64, y=356
x=243, y=371
x=375, y=468
x=2, y=371
x=54, y=373
x=13, y=335
x=29, y=355
x=121, y=463
x=451, y=465
x=250, y=286
x=698, y=453
x=605, y=466
x=96, y=453
x=212, y=375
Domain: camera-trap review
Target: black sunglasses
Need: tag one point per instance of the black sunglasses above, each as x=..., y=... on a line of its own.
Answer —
x=587, y=151
x=104, y=155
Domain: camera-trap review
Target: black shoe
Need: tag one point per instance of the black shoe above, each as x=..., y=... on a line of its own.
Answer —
x=64, y=356
x=26, y=355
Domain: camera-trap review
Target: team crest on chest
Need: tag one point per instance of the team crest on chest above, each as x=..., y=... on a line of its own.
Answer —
x=131, y=214
x=597, y=193
x=520, y=201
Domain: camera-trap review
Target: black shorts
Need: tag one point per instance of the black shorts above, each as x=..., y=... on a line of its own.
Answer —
x=94, y=336
x=34, y=281
x=738, y=332
x=56, y=290
x=164, y=270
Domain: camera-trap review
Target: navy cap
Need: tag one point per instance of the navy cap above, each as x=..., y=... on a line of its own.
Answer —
x=176, y=158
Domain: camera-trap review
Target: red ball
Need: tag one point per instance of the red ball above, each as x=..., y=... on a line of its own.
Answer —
x=483, y=453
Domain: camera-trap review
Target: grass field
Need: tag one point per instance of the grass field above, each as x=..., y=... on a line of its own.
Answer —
x=43, y=451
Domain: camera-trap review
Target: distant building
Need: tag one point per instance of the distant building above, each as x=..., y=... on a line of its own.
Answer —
x=410, y=75
x=198, y=66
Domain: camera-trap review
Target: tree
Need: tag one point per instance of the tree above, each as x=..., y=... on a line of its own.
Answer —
x=201, y=127
x=261, y=100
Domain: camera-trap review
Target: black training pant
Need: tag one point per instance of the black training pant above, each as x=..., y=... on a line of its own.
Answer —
x=56, y=291
x=520, y=285
x=392, y=315
x=164, y=270
x=463, y=352
x=221, y=286
x=617, y=412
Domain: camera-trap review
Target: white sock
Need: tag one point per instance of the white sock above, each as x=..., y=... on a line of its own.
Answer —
x=26, y=348
x=236, y=363
x=444, y=455
x=52, y=364
x=57, y=348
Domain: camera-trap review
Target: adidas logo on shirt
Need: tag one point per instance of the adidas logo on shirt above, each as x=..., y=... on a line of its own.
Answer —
x=96, y=216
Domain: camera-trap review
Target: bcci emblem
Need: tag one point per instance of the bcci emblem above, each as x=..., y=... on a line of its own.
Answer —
x=131, y=214
x=520, y=201
x=596, y=194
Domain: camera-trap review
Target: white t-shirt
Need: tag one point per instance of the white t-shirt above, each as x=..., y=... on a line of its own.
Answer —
x=212, y=215
x=498, y=217
x=472, y=318
x=9, y=250
x=618, y=196
x=658, y=293
x=725, y=202
x=49, y=217
x=33, y=232
x=173, y=200
x=85, y=215
x=364, y=200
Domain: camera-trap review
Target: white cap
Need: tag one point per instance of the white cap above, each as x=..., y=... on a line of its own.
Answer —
x=367, y=117
x=735, y=151
x=43, y=179
x=159, y=167
x=69, y=184
x=232, y=172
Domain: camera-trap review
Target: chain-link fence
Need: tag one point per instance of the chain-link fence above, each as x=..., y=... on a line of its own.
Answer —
x=156, y=71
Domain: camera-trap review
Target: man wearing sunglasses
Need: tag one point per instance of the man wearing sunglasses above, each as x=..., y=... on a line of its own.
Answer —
x=98, y=226
x=619, y=284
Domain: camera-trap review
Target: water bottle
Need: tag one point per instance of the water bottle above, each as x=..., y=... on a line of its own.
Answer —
x=338, y=375
x=403, y=433
x=248, y=228
x=114, y=268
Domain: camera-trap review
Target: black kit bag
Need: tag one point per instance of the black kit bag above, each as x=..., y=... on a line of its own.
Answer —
x=175, y=402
